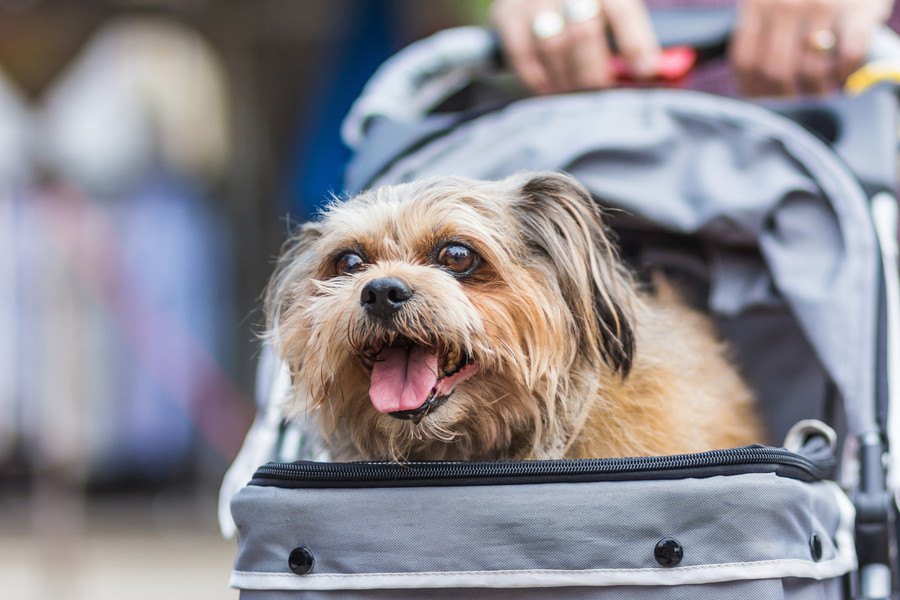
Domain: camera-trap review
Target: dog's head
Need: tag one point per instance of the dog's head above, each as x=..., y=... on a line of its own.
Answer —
x=449, y=318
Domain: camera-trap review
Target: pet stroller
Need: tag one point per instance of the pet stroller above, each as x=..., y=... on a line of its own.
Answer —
x=781, y=219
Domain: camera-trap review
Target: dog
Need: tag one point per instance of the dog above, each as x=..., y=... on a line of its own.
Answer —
x=454, y=319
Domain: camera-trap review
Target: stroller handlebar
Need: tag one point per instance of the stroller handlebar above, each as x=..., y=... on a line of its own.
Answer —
x=416, y=80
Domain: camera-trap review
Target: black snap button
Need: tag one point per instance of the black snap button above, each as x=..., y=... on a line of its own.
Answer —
x=668, y=552
x=815, y=546
x=300, y=561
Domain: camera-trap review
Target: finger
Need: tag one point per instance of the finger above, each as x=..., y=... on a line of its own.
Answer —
x=554, y=54
x=521, y=52
x=854, y=33
x=589, y=59
x=780, y=64
x=746, y=47
x=635, y=38
x=817, y=74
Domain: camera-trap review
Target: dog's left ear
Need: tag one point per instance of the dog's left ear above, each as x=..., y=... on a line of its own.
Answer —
x=294, y=267
x=562, y=224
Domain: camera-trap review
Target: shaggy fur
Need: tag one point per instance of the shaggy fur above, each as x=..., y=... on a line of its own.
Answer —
x=573, y=360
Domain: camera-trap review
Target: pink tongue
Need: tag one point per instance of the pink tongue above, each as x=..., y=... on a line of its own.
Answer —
x=402, y=378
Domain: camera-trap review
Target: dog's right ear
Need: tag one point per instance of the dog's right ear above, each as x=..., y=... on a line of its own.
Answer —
x=295, y=266
x=562, y=224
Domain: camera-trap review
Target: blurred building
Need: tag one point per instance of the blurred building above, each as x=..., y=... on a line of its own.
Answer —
x=152, y=153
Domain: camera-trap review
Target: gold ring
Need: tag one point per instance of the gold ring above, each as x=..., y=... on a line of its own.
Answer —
x=547, y=24
x=581, y=10
x=822, y=40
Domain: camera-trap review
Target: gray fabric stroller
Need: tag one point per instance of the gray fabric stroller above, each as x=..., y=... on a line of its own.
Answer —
x=782, y=220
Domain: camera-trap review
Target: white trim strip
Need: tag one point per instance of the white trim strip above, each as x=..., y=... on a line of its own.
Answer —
x=772, y=569
x=843, y=562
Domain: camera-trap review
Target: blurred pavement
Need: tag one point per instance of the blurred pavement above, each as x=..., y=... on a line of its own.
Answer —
x=111, y=549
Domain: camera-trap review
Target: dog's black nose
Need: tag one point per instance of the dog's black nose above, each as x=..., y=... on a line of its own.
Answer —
x=384, y=296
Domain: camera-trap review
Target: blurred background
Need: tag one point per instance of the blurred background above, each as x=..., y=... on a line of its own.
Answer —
x=152, y=156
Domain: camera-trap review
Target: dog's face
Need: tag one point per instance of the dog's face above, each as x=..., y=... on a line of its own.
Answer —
x=450, y=318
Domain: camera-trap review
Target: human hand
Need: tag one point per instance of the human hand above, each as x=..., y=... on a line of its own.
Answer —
x=561, y=46
x=789, y=47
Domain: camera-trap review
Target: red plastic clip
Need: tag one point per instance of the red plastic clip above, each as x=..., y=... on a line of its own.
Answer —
x=674, y=64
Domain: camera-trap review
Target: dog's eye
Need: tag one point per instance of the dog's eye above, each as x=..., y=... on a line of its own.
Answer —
x=348, y=263
x=457, y=258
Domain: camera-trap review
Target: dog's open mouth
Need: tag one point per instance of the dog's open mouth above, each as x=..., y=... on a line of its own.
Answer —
x=409, y=381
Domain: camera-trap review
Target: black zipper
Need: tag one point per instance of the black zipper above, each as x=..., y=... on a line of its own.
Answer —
x=813, y=463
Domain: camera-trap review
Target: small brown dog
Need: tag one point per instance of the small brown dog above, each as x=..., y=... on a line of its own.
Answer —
x=456, y=319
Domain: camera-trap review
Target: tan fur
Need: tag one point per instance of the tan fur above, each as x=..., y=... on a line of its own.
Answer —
x=681, y=395
x=574, y=360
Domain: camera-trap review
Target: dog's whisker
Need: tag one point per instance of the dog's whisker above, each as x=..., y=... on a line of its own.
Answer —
x=497, y=399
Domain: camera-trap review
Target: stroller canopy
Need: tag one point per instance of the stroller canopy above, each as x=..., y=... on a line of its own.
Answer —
x=791, y=255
